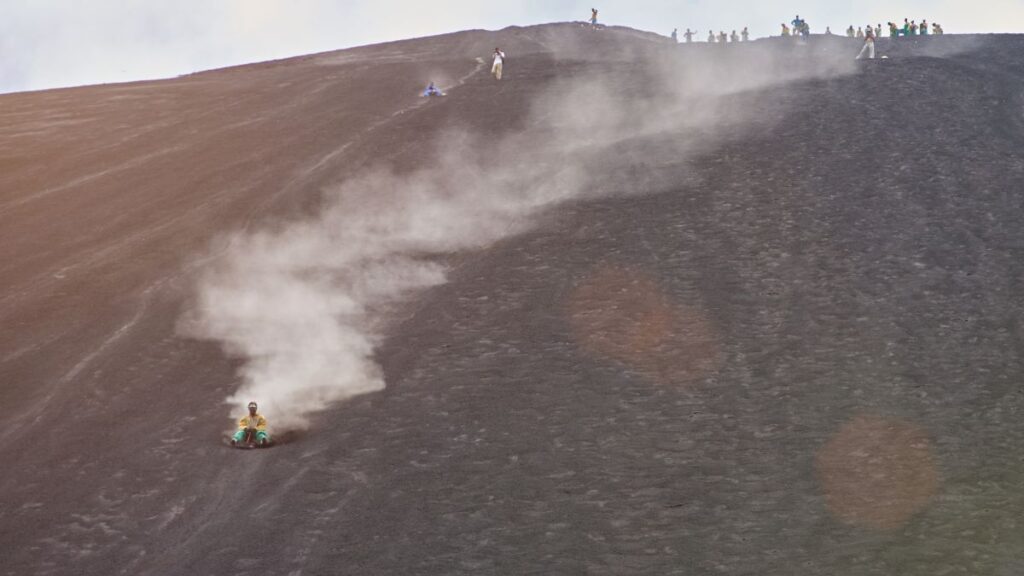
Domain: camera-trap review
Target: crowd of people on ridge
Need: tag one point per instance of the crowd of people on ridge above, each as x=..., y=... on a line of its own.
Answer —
x=869, y=34
x=909, y=28
x=721, y=37
x=798, y=27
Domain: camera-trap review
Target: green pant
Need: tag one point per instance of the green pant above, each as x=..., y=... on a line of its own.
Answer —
x=261, y=436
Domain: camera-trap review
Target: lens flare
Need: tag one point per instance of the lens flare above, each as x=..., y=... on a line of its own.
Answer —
x=877, y=472
x=624, y=315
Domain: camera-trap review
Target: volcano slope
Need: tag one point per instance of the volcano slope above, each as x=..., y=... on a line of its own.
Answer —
x=754, y=310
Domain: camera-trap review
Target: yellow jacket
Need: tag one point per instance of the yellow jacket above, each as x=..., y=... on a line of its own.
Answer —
x=258, y=422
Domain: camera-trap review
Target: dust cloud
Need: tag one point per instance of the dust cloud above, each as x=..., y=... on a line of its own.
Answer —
x=304, y=305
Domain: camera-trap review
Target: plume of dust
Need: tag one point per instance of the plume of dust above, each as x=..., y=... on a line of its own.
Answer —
x=304, y=305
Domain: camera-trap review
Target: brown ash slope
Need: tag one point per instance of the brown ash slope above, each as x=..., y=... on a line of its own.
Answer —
x=783, y=342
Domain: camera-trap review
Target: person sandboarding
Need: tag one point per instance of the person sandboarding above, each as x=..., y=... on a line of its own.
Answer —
x=252, y=430
x=432, y=90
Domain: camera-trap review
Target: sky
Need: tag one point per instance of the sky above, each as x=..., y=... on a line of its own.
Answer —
x=57, y=43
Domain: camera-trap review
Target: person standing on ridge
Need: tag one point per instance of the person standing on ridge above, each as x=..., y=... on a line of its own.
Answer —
x=850, y=31
x=785, y=29
x=924, y=28
x=734, y=37
x=593, y=17
x=499, y=60
x=254, y=425
x=711, y=37
x=745, y=34
x=828, y=30
x=689, y=35
x=675, y=38
x=860, y=33
x=722, y=37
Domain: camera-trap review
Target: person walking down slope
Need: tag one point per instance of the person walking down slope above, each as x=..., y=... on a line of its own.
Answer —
x=499, y=60
x=869, y=45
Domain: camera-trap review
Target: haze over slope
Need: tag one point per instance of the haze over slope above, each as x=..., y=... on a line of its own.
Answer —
x=636, y=309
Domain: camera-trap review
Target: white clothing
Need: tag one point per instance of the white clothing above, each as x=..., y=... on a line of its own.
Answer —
x=499, y=59
x=869, y=48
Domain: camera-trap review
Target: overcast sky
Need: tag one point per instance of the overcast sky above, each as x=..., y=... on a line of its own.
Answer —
x=52, y=43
